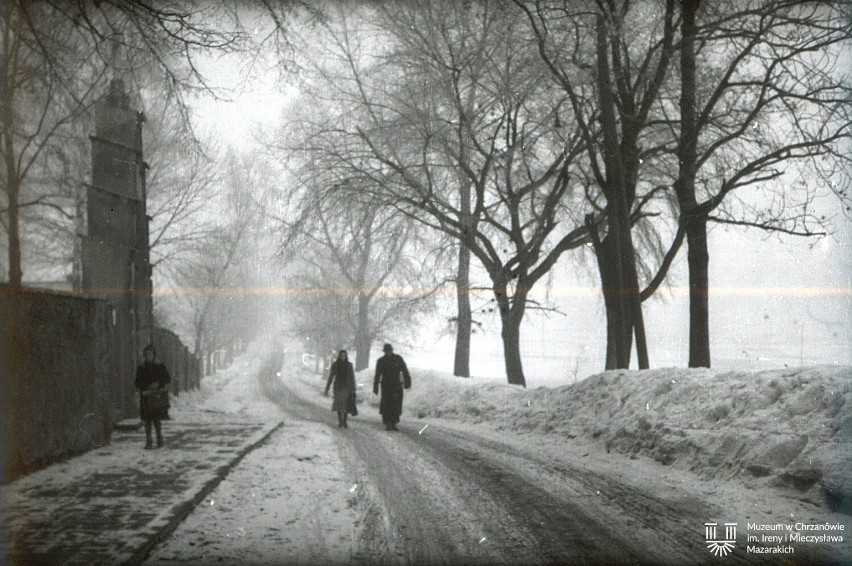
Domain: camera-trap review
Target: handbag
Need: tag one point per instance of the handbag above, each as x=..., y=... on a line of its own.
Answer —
x=351, y=408
x=158, y=400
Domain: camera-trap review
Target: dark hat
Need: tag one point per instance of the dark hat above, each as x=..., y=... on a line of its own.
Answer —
x=387, y=348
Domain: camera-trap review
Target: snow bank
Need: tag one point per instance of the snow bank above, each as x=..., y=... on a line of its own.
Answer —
x=789, y=428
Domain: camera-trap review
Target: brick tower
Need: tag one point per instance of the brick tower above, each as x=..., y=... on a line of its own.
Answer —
x=115, y=250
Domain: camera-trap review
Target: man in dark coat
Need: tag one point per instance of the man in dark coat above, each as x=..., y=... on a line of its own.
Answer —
x=392, y=374
x=151, y=376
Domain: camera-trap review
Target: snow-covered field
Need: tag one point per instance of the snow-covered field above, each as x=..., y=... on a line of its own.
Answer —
x=751, y=329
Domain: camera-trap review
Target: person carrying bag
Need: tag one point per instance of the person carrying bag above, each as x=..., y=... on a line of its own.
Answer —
x=152, y=377
x=342, y=375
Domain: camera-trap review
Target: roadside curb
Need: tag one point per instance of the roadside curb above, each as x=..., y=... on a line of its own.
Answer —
x=168, y=521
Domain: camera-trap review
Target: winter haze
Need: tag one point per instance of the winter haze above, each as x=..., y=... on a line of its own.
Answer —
x=611, y=241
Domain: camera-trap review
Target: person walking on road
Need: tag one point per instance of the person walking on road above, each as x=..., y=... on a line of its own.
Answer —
x=392, y=374
x=342, y=374
x=151, y=380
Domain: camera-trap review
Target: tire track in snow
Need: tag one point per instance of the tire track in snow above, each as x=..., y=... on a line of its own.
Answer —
x=426, y=500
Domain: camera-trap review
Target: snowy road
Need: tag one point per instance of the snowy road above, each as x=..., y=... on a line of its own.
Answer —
x=441, y=496
x=439, y=492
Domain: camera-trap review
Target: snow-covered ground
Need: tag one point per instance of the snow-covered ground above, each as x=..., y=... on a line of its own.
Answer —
x=788, y=428
x=770, y=437
x=290, y=493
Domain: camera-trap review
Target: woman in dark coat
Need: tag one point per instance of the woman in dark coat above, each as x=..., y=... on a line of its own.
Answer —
x=342, y=374
x=150, y=376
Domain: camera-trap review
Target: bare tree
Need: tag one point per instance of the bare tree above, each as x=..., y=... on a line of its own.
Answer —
x=37, y=105
x=58, y=57
x=367, y=249
x=623, y=49
x=208, y=275
x=51, y=209
x=485, y=118
x=184, y=182
x=318, y=313
x=762, y=107
x=758, y=103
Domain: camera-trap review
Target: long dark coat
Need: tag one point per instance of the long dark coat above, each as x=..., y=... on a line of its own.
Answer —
x=147, y=374
x=392, y=374
x=342, y=374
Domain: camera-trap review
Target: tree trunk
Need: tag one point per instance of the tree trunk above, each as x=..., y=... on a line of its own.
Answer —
x=622, y=303
x=511, y=316
x=362, y=334
x=615, y=246
x=693, y=219
x=698, y=260
x=614, y=319
x=15, y=271
x=13, y=190
x=464, y=324
x=633, y=303
x=11, y=51
x=607, y=269
x=511, y=335
x=641, y=339
x=616, y=301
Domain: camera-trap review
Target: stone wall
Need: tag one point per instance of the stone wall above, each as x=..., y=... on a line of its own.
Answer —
x=184, y=368
x=65, y=376
x=57, y=378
